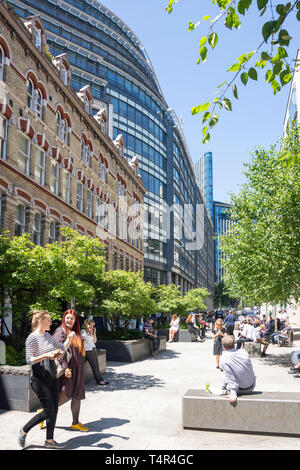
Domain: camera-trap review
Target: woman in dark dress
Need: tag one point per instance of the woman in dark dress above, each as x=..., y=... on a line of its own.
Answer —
x=217, y=335
x=71, y=383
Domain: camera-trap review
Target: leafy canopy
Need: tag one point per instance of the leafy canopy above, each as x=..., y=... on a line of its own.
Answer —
x=270, y=52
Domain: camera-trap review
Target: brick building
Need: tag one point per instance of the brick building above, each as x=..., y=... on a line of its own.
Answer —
x=58, y=167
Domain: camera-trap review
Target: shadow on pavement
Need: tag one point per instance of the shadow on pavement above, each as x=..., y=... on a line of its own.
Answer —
x=283, y=360
x=125, y=381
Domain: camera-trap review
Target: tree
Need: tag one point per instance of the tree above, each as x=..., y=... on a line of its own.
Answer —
x=170, y=300
x=33, y=276
x=126, y=296
x=271, y=51
x=263, y=248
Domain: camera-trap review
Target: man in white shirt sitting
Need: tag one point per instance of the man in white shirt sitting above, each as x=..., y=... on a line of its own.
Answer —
x=236, y=364
x=247, y=334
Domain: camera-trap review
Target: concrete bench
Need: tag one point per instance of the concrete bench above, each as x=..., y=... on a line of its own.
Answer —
x=16, y=392
x=128, y=351
x=253, y=349
x=258, y=413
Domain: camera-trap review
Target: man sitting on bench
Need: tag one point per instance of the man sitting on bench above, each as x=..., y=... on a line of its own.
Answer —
x=239, y=375
x=152, y=336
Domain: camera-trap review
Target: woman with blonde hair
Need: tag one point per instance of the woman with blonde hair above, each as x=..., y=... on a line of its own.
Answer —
x=41, y=351
x=217, y=335
x=71, y=383
x=88, y=334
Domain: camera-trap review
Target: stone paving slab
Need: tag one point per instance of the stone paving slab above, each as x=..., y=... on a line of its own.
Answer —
x=141, y=408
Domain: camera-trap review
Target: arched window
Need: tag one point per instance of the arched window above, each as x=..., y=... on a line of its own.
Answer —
x=2, y=57
x=30, y=94
x=62, y=127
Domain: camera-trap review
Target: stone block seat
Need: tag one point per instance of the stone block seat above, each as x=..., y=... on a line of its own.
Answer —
x=256, y=413
x=253, y=349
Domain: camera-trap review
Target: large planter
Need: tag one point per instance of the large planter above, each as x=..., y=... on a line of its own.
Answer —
x=128, y=351
x=15, y=390
x=182, y=336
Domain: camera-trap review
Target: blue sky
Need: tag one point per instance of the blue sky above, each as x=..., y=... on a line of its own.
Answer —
x=257, y=117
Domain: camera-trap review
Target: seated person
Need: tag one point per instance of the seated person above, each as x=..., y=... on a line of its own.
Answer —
x=246, y=335
x=148, y=333
x=174, y=327
x=275, y=337
x=236, y=364
x=263, y=339
x=295, y=357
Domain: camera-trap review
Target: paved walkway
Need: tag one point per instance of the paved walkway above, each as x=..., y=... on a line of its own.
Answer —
x=141, y=407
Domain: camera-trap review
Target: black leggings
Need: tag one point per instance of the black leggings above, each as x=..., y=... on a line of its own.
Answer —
x=47, y=392
x=92, y=359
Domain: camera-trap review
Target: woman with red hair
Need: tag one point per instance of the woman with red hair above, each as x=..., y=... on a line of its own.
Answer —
x=71, y=383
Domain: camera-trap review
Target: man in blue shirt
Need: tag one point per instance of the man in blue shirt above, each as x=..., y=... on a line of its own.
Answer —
x=148, y=333
x=229, y=321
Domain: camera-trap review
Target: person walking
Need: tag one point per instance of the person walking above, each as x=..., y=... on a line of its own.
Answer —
x=71, y=383
x=217, y=334
x=174, y=327
x=41, y=351
x=229, y=321
x=88, y=334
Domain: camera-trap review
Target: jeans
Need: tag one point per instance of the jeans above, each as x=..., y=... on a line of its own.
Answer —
x=154, y=342
x=241, y=341
x=295, y=356
x=92, y=359
x=47, y=392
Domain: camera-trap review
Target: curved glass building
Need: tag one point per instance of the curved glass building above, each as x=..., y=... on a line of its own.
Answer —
x=106, y=54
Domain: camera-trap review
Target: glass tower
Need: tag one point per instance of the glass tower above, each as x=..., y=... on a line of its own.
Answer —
x=106, y=54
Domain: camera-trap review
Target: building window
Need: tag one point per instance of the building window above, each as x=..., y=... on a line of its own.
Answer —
x=54, y=177
x=24, y=154
x=35, y=99
x=86, y=153
x=53, y=232
x=2, y=57
x=66, y=185
x=3, y=137
x=103, y=172
x=89, y=204
x=62, y=129
x=39, y=166
x=20, y=220
x=86, y=105
x=99, y=204
x=37, y=229
x=79, y=196
x=64, y=75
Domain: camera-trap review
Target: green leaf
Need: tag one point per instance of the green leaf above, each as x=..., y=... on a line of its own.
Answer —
x=282, y=52
x=227, y=104
x=268, y=29
x=269, y=76
x=203, y=53
x=213, y=40
x=205, y=18
x=285, y=77
x=202, y=41
x=235, y=68
x=232, y=19
x=244, y=78
x=276, y=87
x=214, y=120
x=277, y=67
x=205, y=116
x=252, y=73
x=201, y=108
x=235, y=93
x=262, y=4
x=204, y=131
x=220, y=86
x=298, y=15
x=265, y=56
x=284, y=38
x=191, y=26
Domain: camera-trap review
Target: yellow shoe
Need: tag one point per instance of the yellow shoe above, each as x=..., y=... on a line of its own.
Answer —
x=41, y=425
x=80, y=427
